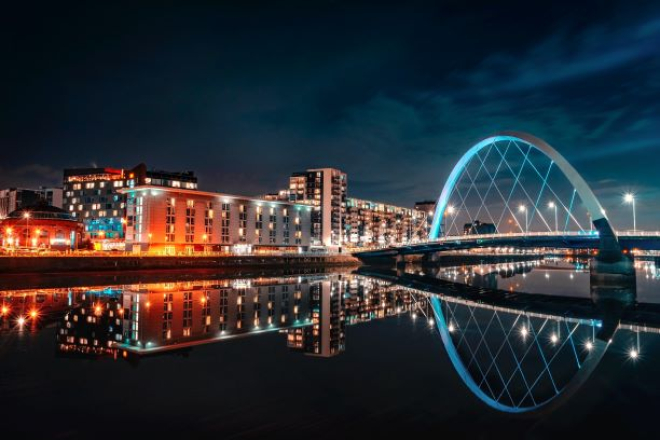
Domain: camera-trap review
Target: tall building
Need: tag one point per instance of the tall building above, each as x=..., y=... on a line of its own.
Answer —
x=12, y=199
x=52, y=196
x=177, y=220
x=371, y=223
x=93, y=195
x=325, y=190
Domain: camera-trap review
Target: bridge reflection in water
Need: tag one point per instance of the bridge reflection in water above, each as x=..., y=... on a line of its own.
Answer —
x=518, y=352
x=524, y=352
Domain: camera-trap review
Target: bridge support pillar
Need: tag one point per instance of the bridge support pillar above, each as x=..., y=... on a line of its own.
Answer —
x=430, y=258
x=613, y=289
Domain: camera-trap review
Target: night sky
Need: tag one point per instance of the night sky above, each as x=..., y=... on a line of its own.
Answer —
x=244, y=94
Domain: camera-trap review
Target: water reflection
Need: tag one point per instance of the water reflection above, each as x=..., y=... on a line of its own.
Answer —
x=145, y=319
x=522, y=351
x=522, y=336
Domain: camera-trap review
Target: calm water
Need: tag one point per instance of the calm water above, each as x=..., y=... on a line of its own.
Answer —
x=531, y=349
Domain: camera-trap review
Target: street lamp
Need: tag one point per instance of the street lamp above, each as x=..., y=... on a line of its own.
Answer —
x=451, y=210
x=523, y=208
x=26, y=215
x=630, y=198
x=553, y=205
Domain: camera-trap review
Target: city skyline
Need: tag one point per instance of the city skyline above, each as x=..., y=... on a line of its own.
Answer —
x=244, y=95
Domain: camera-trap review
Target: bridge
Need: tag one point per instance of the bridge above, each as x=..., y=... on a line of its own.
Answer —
x=529, y=196
x=629, y=242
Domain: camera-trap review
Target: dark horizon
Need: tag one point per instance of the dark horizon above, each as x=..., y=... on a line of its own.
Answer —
x=246, y=94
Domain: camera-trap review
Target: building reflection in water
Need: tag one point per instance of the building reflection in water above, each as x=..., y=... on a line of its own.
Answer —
x=147, y=319
x=517, y=351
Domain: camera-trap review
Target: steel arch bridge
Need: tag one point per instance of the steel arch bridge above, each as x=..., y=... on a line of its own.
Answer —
x=514, y=189
x=515, y=153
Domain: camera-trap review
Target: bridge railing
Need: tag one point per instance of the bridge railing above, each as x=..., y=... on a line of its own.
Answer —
x=475, y=237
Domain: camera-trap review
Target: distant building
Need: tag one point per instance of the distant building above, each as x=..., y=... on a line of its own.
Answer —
x=478, y=228
x=371, y=223
x=92, y=194
x=341, y=220
x=41, y=226
x=325, y=190
x=428, y=208
x=12, y=199
x=177, y=220
x=52, y=196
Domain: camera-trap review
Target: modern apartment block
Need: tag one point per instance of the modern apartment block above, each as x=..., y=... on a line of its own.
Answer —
x=371, y=223
x=12, y=199
x=93, y=195
x=177, y=220
x=325, y=190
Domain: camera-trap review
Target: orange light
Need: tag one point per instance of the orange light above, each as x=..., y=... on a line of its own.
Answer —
x=4, y=310
x=97, y=309
x=203, y=300
x=148, y=303
x=33, y=313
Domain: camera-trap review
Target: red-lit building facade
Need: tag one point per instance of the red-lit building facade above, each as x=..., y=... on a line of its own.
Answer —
x=41, y=226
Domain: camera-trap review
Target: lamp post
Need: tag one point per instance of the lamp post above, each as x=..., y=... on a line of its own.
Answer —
x=630, y=198
x=523, y=208
x=27, y=228
x=450, y=211
x=553, y=205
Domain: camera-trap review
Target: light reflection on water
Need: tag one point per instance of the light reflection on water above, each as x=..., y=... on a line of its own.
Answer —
x=520, y=336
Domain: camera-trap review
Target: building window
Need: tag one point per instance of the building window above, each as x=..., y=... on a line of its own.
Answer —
x=225, y=223
x=170, y=219
x=242, y=223
x=190, y=221
x=208, y=222
x=187, y=313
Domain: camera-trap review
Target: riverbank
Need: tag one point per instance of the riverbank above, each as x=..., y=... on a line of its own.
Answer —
x=47, y=264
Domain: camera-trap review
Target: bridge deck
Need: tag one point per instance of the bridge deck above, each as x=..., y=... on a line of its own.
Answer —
x=568, y=240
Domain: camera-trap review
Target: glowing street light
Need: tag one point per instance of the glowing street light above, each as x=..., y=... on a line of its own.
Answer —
x=26, y=215
x=630, y=198
x=523, y=208
x=553, y=205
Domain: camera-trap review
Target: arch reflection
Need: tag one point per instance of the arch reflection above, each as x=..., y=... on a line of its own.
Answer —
x=522, y=352
x=519, y=361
